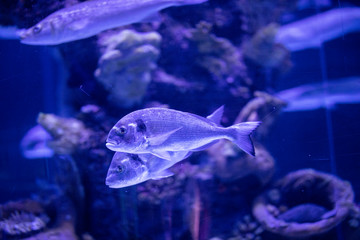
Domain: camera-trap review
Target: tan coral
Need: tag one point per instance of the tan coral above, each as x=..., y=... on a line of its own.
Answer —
x=300, y=188
x=67, y=133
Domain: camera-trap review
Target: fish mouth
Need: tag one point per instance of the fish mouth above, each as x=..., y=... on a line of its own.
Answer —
x=111, y=146
x=22, y=35
x=115, y=184
x=110, y=181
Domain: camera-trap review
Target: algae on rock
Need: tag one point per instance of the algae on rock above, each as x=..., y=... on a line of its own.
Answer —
x=124, y=68
x=67, y=133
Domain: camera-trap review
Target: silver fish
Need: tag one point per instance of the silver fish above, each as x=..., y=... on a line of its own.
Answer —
x=89, y=18
x=313, y=31
x=129, y=169
x=161, y=131
x=317, y=95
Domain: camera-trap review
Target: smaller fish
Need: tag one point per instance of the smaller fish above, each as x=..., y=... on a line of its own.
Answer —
x=313, y=31
x=89, y=18
x=161, y=132
x=318, y=95
x=130, y=169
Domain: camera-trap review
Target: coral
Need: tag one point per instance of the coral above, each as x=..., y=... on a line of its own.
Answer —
x=34, y=143
x=67, y=133
x=265, y=108
x=264, y=51
x=23, y=223
x=259, y=13
x=328, y=198
x=36, y=220
x=216, y=55
x=247, y=229
x=124, y=69
x=155, y=191
x=230, y=163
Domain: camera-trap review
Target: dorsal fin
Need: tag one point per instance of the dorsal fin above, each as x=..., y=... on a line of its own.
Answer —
x=216, y=116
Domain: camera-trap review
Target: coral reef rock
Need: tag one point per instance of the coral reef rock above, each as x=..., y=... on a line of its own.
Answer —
x=283, y=209
x=230, y=163
x=31, y=219
x=217, y=55
x=67, y=133
x=263, y=50
x=124, y=69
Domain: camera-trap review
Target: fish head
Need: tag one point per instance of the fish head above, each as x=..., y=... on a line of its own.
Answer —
x=46, y=32
x=127, y=136
x=126, y=170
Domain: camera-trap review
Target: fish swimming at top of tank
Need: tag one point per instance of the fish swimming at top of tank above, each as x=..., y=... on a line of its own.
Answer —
x=89, y=18
x=313, y=31
x=161, y=131
x=128, y=169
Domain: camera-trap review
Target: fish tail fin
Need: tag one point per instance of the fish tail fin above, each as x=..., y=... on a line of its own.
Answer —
x=241, y=136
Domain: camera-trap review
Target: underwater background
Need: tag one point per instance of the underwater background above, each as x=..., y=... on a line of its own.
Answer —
x=293, y=65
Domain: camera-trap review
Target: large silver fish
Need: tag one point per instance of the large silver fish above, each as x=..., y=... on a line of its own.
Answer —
x=313, y=31
x=91, y=17
x=161, y=132
x=129, y=169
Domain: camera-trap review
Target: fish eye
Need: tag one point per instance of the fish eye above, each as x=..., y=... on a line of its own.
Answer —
x=121, y=130
x=120, y=169
x=36, y=29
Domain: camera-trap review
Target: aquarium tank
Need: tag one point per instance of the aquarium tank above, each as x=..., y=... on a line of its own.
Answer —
x=180, y=119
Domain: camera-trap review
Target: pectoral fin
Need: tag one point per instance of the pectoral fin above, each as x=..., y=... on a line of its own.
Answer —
x=163, y=174
x=180, y=155
x=159, y=139
x=162, y=154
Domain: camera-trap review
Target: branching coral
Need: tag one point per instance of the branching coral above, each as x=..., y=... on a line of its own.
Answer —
x=125, y=67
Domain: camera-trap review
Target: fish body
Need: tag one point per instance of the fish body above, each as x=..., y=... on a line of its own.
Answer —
x=129, y=169
x=161, y=132
x=313, y=31
x=92, y=17
x=318, y=95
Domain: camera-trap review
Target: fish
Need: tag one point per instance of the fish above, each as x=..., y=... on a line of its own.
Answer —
x=89, y=18
x=312, y=96
x=128, y=169
x=313, y=31
x=162, y=132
